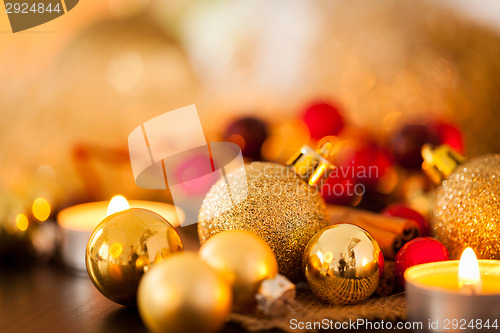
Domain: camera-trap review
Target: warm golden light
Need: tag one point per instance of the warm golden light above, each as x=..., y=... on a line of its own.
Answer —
x=117, y=204
x=364, y=262
x=468, y=270
x=22, y=222
x=116, y=250
x=328, y=257
x=41, y=209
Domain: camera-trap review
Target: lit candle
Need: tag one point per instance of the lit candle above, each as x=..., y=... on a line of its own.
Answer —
x=451, y=296
x=469, y=277
x=78, y=222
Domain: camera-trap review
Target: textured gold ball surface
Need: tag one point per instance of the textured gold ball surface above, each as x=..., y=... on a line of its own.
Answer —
x=182, y=294
x=467, y=208
x=124, y=246
x=244, y=260
x=280, y=208
x=341, y=264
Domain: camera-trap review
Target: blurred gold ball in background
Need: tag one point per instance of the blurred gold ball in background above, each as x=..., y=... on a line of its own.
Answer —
x=342, y=264
x=244, y=260
x=123, y=247
x=183, y=295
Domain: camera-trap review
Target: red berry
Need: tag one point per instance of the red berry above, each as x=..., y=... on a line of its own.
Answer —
x=323, y=119
x=401, y=210
x=418, y=251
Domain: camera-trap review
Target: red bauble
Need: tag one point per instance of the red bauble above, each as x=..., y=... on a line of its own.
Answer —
x=406, y=144
x=369, y=164
x=249, y=133
x=401, y=210
x=418, y=251
x=339, y=189
x=449, y=134
x=323, y=119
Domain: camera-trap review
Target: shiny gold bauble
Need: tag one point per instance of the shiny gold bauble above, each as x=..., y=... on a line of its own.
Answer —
x=467, y=208
x=342, y=263
x=244, y=260
x=183, y=295
x=123, y=247
x=280, y=208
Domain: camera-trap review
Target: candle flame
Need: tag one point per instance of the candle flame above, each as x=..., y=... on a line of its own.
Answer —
x=117, y=204
x=468, y=269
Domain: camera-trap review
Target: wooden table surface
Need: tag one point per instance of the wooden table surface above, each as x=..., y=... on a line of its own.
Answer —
x=49, y=298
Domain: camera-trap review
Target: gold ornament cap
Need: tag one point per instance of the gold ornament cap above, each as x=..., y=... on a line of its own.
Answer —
x=440, y=162
x=312, y=165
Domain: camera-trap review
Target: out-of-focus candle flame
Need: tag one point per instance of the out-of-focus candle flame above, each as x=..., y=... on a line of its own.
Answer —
x=41, y=209
x=117, y=204
x=468, y=270
x=22, y=222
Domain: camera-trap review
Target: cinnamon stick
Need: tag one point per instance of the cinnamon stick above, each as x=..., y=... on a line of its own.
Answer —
x=390, y=232
x=387, y=283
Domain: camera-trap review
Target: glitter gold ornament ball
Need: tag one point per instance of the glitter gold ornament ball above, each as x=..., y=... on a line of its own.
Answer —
x=467, y=208
x=280, y=207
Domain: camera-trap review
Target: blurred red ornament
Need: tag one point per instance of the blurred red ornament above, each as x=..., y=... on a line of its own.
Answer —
x=418, y=251
x=249, y=133
x=407, y=143
x=323, y=119
x=449, y=134
x=369, y=164
x=401, y=210
x=339, y=189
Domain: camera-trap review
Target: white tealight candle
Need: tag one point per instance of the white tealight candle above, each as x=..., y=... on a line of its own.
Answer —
x=455, y=296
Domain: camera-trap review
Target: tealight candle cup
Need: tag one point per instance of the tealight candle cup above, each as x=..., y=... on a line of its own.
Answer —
x=436, y=299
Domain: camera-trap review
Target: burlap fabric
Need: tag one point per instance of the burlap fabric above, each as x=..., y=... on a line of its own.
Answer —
x=308, y=308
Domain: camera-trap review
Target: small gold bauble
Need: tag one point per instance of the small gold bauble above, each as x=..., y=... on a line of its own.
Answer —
x=280, y=208
x=467, y=208
x=341, y=264
x=183, y=295
x=124, y=246
x=244, y=260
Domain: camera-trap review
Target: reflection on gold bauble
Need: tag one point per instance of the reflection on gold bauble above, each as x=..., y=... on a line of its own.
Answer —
x=280, y=208
x=183, y=295
x=467, y=208
x=244, y=260
x=124, y=246
x=341, y=264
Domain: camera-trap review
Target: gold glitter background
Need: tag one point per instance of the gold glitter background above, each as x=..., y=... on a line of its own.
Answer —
x=280, y=208
x=467, y=208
